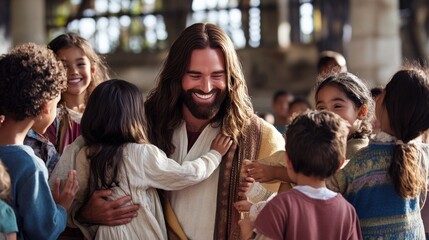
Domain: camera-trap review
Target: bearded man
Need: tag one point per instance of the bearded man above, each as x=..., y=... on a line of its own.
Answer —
x=200, y=92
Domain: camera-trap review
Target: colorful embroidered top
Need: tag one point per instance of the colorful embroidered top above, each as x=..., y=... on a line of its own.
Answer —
x=365, y=183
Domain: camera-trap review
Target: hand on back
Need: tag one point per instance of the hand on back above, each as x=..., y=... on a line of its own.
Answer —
x=100, y=211
x=221, y=143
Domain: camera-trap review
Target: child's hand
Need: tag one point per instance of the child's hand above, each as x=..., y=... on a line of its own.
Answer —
x=246, y=228
x=221, y=143
x=261, y=172
x=65, y=198
x=242, y=206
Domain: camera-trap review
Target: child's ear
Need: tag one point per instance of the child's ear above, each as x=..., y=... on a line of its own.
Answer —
x=45, y=108
x=363, y=111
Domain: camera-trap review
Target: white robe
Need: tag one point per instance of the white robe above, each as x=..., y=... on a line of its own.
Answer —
x=195, y=206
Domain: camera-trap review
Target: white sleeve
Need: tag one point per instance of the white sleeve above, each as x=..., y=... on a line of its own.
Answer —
x=165, y=173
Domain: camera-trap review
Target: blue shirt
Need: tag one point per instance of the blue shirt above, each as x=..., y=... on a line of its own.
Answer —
x=38, y=216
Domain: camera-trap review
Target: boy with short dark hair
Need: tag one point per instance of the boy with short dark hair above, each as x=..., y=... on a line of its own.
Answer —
x=31, y=81
x=315, y=150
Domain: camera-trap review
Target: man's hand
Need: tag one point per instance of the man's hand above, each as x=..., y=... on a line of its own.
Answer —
x=100, y=211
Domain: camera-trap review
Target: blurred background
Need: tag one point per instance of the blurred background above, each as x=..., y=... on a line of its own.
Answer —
x=278, y=41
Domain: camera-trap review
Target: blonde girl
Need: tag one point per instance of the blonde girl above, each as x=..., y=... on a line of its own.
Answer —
x=386, y=182
x=8, y=226
x=85, y=70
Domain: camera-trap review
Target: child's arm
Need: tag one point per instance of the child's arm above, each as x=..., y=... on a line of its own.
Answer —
x=161, y=172
x=246, y=229
x=264, y=173
x=66, y=196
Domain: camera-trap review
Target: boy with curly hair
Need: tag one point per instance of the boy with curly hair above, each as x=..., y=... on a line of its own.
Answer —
x=31, y=81
x=315, y=150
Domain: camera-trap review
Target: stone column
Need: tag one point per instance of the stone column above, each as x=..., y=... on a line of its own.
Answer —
x=176, y=13
x=374, y=52
x=269, y=23
x=284, y=24
x=5, y=42
x=28, y=22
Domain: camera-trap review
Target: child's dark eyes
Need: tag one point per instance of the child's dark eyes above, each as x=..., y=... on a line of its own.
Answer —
x=320, y=108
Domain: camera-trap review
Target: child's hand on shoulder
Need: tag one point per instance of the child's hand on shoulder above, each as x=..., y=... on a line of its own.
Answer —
x=221, y=143
x=67, y=194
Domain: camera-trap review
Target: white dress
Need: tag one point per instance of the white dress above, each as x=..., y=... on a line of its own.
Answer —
x=145, y=168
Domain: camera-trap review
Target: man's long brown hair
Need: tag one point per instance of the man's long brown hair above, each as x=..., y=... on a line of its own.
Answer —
x=164, y=104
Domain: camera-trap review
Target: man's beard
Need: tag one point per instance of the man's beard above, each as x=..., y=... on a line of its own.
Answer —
x=203, y=110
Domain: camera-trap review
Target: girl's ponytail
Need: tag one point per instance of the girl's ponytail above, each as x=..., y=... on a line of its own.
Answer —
x=406, y=174
x=407, y=102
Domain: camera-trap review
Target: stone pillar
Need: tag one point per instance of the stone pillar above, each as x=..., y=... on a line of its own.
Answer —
x=374, y=52
x=5, y=42
x=269, y=23
x=28, y=22
x=175, y=17
x=284, y=24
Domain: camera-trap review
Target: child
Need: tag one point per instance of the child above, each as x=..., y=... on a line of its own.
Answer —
x=85, y=70
x=31, y=81
x=346, y=95
x=8, y=227
x=118, y=157
x=298, y=106
x=315, y=150
x=387, y=181
x=280, y=105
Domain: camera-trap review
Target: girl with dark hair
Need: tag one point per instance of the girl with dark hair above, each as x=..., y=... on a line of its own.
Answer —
x=118, y=156
x=387, y=181
x=347, y=95
x=85, y=70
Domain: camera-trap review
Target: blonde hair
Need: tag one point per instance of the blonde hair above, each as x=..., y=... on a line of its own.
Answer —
x=4, y=183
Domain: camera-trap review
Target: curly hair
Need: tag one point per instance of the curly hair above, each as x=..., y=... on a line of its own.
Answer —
x=4, y=184
x=406, y=101
x=30, y=75
x=356, y=90
x=164, y=105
